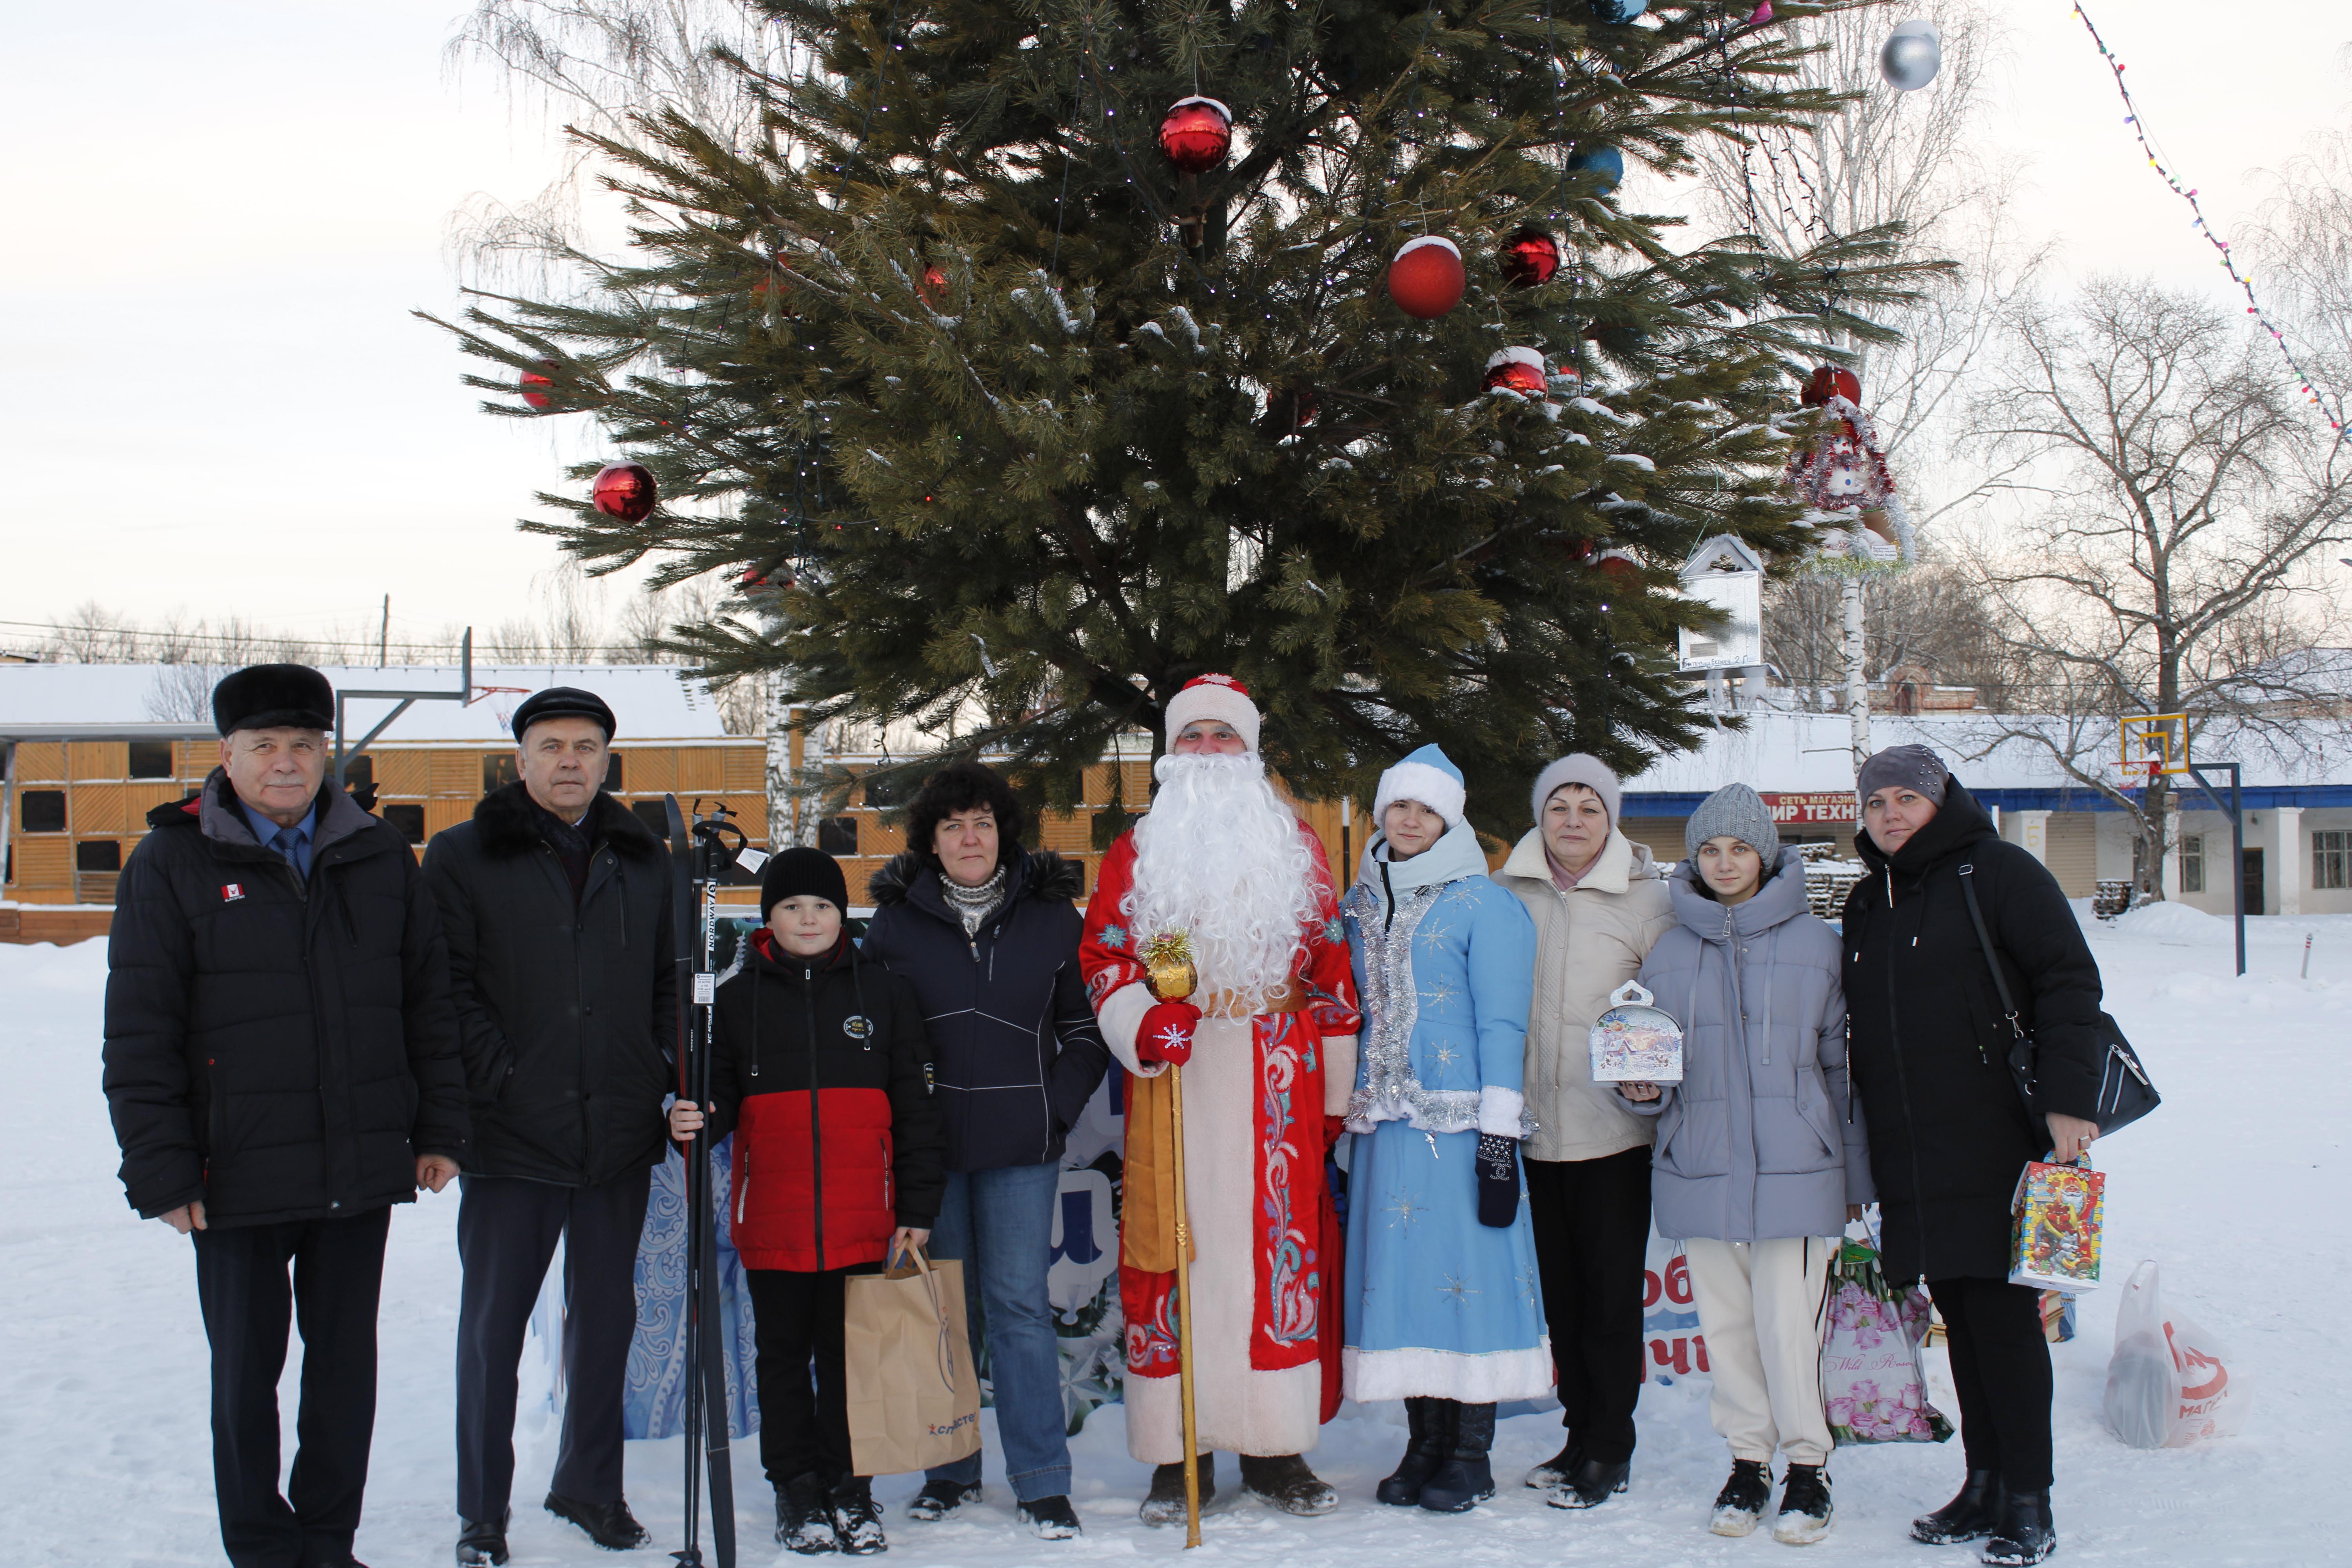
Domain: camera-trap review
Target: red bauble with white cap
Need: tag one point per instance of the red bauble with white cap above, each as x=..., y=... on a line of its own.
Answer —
x=1830, y=381
x=1516, y=370
x=1196, y=134
x=624, y=490
x=1426, y=278
x=1529, y=257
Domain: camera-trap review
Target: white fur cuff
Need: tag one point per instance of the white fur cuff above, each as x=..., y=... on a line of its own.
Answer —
x=1500, y=1110
x=1121, y=1017
x=1419, y=781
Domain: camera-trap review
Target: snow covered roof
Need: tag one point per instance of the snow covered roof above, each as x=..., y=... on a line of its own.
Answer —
x=651, y=701
x=1808, y=752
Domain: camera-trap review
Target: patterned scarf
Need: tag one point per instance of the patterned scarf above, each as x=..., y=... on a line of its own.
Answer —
x=971, y=905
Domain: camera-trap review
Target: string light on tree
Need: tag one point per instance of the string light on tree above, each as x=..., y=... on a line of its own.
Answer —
x=1426, y=278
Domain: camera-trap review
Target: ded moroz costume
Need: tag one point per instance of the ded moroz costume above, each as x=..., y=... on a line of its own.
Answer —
x=1224, y=862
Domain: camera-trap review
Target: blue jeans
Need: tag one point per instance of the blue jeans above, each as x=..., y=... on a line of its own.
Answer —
x=1000, y=1225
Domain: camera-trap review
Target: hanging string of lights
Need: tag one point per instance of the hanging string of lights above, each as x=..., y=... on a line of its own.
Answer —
x=2220, y=247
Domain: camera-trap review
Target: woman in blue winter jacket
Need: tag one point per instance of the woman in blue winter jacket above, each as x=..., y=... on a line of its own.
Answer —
x=1761, y=1158
x=1444, y=1308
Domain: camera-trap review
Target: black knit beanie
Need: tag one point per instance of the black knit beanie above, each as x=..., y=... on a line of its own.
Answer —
x=802, y=871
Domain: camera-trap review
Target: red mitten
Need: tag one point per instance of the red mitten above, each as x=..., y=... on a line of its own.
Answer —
x=1334, y=1127
x=1167, y=1033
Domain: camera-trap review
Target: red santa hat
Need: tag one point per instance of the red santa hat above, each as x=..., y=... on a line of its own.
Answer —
x=1218, y=697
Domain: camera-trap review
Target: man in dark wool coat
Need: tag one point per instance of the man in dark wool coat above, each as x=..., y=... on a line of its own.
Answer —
x=557, y=903
x=282, y=1066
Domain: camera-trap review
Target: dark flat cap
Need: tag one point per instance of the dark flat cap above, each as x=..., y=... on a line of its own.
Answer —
x=274, y=697
x=563, y=702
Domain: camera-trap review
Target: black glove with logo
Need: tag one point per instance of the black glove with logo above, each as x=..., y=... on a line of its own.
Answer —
x=1498, y=1180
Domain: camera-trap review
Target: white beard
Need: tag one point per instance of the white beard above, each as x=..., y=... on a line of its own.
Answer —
x=1219, y=857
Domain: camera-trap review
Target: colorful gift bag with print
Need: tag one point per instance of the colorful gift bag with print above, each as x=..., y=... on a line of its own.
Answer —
x=1873, y=1385
x=2058, y=1211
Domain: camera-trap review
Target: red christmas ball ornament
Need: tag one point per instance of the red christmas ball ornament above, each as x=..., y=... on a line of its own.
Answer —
x=934, y=286
x=1516, y=370
x=530, y=380
x=1617, y=564
x=1196, y=134
x=1289, y=410
x=1529, y=257
x=1832, y=381
x=624, y=490
x=1426, y=278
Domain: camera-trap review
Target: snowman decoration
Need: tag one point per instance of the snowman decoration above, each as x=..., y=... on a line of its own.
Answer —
x=1840, y=476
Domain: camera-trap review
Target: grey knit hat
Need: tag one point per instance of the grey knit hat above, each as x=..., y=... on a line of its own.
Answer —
x=1734, y=811
x=1575, y=768
x=1908, y=767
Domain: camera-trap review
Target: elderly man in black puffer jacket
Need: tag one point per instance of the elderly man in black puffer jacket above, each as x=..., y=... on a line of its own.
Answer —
x=989, y=937
x=282, y=1066
x=558, y=905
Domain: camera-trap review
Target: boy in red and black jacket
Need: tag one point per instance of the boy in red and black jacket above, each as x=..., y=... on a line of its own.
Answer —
x=821, y=1071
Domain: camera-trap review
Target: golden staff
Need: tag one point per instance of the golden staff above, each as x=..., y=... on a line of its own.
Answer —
x=1169, y=958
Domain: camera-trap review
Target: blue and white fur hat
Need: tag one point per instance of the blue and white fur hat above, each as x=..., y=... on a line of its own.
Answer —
x=1429, y=776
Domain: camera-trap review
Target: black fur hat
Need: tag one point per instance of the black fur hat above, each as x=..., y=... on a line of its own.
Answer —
x=274, y=696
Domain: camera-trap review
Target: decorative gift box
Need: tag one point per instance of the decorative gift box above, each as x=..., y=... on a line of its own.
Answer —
x=1635, y=1042
x=2058, y=1210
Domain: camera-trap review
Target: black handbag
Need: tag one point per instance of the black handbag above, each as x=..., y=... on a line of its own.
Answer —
x=2124, y=1092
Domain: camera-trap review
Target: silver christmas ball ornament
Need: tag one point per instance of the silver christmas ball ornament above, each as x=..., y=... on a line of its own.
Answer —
x=1911, y=57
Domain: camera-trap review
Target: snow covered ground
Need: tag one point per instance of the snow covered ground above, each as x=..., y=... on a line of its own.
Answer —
x=2240, y=1186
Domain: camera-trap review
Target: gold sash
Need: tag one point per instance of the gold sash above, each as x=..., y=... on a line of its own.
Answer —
x=1148, y=1221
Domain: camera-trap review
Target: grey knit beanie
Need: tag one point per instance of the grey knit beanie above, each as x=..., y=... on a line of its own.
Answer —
x=1909, y=767
x=1734, y=811
x=1575, y=768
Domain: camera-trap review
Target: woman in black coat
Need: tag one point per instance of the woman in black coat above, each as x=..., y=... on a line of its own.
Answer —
x=987, y=937
x=1948, y=1133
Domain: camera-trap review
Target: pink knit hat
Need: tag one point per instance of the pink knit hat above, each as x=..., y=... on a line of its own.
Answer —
x=1219, y=697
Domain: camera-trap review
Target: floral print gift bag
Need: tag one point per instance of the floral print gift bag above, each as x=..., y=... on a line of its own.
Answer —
x=1872, y=1386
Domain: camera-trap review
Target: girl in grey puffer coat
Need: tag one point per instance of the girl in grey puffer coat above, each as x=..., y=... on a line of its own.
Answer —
x=1760, y=1150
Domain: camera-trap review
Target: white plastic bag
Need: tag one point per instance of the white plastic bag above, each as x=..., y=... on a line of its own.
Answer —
x=2168, y=1382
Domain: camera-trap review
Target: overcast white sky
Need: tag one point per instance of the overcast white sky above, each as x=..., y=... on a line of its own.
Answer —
x=214, y=399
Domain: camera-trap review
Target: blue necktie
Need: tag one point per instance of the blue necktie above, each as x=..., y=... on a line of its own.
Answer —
x=287, y=843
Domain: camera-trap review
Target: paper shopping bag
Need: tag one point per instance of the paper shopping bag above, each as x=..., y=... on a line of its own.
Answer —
x=914, y=1393
x=2058, y=1211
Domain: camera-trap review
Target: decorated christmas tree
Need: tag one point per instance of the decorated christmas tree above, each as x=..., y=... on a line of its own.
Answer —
x=1028, y=360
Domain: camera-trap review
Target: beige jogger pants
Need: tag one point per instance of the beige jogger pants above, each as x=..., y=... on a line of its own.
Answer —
x=1761, y=1307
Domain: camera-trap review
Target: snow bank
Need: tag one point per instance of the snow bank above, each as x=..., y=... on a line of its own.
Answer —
x=2170, y=921
x=2240, y=1186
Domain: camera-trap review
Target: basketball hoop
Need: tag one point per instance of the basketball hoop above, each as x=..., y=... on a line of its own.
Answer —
x=2150, y=744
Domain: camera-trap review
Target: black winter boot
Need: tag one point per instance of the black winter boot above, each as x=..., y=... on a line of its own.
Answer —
x=1051, y=1517
x=1430, y=1422
x=481, y=1542
x=1743, y=1500
x=857, y=1517
x=1284, y=1480
x=610, y=1525
x=1971, y=1514
x=1466, y=1479
x=1555, y=1471
x=2026, y=1533
x=804, y=1517
x=1592, y=1483
x=940, y=1499
x=1166, y=1503
x=1804, y=1507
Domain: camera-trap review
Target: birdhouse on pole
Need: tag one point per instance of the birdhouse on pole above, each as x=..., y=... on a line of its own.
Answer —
x=1724, y=575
